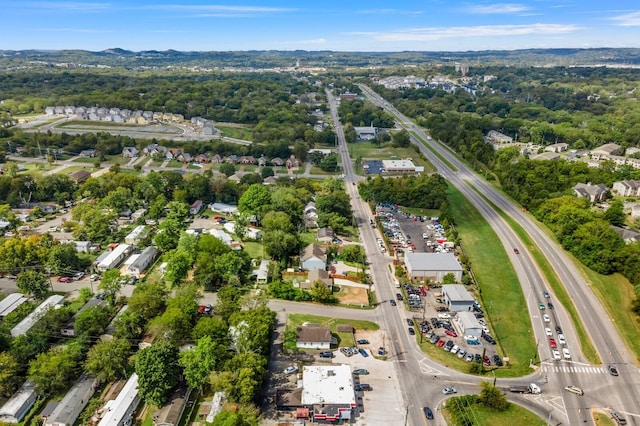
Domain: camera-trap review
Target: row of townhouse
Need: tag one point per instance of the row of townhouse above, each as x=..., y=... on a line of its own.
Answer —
x=203, y=126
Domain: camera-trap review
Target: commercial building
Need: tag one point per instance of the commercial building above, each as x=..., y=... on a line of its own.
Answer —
x=328, y=392
x=11, y=303
x=119, y=412
x=115, y=257
x=432, y=266
x=67, y=412
x=468, y=324
x=457, y=298
x=16, y=407
x=30, y=320
x=143, y=261
x=399, y=166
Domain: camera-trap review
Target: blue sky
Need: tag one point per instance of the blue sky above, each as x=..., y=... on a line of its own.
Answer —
x=347, y=25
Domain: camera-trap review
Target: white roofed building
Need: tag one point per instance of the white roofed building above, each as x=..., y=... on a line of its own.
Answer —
x=119, y=412
x=468, y=324
x=11, y=303
x=67, y=412
x=30, y=320
x=432, y=266
x=115, y=257
x=16, y=407
x=399, y=166
x=328, y=392
x=457, y=298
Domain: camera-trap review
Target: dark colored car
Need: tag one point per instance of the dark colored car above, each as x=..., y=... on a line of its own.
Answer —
x=363, y=353
x=612, y=370
x=515, y=250
x=399, y=296
x=363, y=342
x=326, y=354
x=550, y=305
x=412, y=331
x=392, y=302
x=428, y=413
x=409, y=321
x=363, y=387
x=558, y=329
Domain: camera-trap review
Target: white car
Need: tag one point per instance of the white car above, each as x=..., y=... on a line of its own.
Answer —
x=561, y=339
x=444, y=316
x=566, y=354
x=290, y=369
x=546, y=318
x=548, y=331
x=556, y=355
x=454, y=349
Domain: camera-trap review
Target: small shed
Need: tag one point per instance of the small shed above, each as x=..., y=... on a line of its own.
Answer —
x=468, y=324
x=457, y=298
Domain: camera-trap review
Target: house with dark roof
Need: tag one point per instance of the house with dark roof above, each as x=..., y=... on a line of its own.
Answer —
x=594, y=193
x=247, y=159
x=325, y=235
x=277, y=161
x=627, y=188
x=292, y=162
x=171, y=413
x=317, y=275
x=79, y=176
x=628, y=235
x=196, y=207
x=313, y=336
x=88, y=153
x=313, y=257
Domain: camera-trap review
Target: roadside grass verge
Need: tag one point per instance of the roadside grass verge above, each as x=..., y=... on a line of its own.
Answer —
x=433, y=151
x=586, y=346
x=500, y=289
x=480, y=415
x=236, y=132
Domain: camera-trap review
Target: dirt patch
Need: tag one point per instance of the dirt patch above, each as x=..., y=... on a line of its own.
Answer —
x=353, y=295
x=377, y=339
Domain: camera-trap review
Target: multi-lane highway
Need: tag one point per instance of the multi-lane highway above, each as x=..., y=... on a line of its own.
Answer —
x=601, y=390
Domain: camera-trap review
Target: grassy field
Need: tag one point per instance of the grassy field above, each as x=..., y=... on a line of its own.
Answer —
x=344, y=339
x=513, y=416
x=254, y=250
x=601, y=419
x=237, y=132
x=501, y=296
x=370, y=151
x=315, y=170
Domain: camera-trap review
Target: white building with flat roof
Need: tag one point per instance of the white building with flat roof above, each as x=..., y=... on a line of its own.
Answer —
x=399, y=166
x=30, y=320
x=468, y=324
x=68, y=410
x=457, y=298
x=16, y=407
x=138, y=233
x=142, y=261
x=119, y=412
x=328, y=391
x=432, y=266
x=115, y=257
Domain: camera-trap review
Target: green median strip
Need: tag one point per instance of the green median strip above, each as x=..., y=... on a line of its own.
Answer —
x=501, y=294
x=434, y=151
x=554, y=282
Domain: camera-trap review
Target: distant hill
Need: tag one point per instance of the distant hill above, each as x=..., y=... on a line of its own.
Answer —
x=117, y=57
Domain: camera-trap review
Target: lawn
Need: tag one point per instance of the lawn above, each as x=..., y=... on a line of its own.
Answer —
x=315, y=170
x=515, y=415
x=370, y=151
x=344, y=339
x=308, y=238
x=501, y=296
x=175, y=164
x=601, y=419
x=254, y=250
x=237, y=132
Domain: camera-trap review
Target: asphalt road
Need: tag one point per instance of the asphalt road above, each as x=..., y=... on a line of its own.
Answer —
x=601, y=390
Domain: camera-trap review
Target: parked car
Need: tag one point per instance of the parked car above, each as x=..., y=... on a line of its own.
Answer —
x=412, y=331
x=290, y=369
x=64, y=280
x=612, y=370
x=363, y=387
x=556, y=355
x=360, y=372
x=326, y=354
x=399, y=296
x=363, y=342
x=440, y=343
x=363, y=353
x=450, y=333
x=566, y=354
x=469, y=357
x=449, y=391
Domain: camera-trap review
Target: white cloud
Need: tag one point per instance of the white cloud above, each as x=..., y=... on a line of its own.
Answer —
x=498, y=8
x=631, y=19
x=434, y=33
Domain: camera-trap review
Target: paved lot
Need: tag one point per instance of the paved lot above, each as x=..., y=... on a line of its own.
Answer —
x=373, y=167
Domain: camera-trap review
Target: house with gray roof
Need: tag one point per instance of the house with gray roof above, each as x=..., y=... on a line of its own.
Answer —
x=68, y=410
x=594, y=193
x=313, y=257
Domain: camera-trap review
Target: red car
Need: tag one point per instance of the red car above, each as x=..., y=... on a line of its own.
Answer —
x=64, y=280
x=552, y=343
x=486, y=361
x=440, y=343
x=450, y=333
x=515, y=250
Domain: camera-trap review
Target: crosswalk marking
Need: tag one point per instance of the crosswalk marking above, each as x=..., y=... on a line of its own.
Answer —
x=571, y=369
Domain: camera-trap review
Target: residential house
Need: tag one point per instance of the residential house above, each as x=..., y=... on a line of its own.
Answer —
x=619, y=160
x=545, y=156
x=208, y=129
x=68, y=329
x=130, y=152
x=185, y=157
x=262, y=161
x=313, y=257
x=270, y=180
x=171, y=413
x=138, y=234
x=635, y=210
x=247, y=159
x=172, y=153
x=155, y=149
x=143, y=261
x=221, y=235
x=120, y=411
x=17, y=407
x=557, y=147
x=498, y=137
x=201, y=158
x=292, y=162
x=217, y=159
x=366, y=133
x=310, y=211
x=628, y=235
x=317, y=275
x=83, y=246
x=30, y=320
x=325, y=235
x=604, y=151
x=50, y=110
x=627, y=188
x=79, y=176
x=196, y=207
x=233, y=159
x=594, y=193
x=313, y=336
x=68, y=410
x=262, y=273
x=277, y=161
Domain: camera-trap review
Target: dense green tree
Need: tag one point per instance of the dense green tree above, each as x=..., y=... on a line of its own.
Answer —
x=110, y=284
x=492, y=397
x=55, y=370
x=26, y=346
x=63, y=258
x=92, y=321
x=34, y=283
x=256, y=200
x=199, y=362
x=157, y=368
x=147, y=301
x=401, y=139
x=108, y=360
x=615, y=213
x=9, y=374
x=227, y=169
